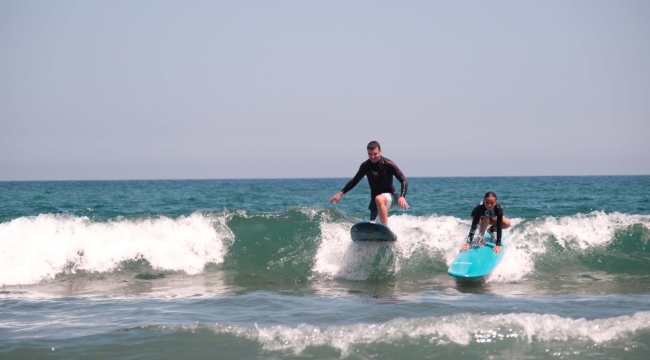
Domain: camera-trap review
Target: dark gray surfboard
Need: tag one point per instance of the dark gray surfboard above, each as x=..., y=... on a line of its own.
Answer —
x=371, y=231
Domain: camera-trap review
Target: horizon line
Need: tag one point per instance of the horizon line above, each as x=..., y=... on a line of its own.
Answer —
x=316, y=178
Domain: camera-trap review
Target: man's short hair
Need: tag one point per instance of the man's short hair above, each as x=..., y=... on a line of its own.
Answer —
x=373, y=145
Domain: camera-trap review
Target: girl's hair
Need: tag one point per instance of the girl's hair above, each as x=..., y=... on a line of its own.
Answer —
x=490, y=194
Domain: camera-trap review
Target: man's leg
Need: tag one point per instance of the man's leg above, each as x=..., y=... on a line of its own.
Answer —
x=373, y=214
x=382, y=211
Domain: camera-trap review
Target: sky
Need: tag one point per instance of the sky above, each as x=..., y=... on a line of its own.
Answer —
x=107, y=90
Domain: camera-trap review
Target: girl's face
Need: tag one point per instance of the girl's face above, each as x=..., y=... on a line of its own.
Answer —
x=490, y=202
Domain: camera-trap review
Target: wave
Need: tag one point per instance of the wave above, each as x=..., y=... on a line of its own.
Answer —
x=38, y=248
x=310, y=243
x=429, y=244
x=462, y=329
x=594, y=241
x=424, y=244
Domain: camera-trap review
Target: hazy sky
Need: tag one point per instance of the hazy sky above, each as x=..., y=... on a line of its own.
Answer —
x=284, y=89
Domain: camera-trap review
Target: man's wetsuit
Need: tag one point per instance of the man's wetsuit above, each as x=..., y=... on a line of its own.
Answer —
x=480, y=211
x=380, y=178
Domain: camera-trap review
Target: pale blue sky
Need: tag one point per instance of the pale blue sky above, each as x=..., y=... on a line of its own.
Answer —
x=284, y=89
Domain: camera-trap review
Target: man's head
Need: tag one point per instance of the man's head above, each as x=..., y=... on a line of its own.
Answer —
x=374, y=151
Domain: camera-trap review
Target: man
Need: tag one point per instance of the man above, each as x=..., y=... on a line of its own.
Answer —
x=380, y=172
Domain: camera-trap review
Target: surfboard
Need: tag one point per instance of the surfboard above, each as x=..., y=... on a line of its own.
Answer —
x=478, y=261
x=371, y=231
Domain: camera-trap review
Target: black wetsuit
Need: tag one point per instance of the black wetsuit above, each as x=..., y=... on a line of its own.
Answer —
x=380, y=178
x=479, y=212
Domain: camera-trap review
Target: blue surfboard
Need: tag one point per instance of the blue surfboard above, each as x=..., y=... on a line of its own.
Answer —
x=371, y=231
x=478, y=261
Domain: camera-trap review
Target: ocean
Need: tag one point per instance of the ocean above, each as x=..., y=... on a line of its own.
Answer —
x=265, y=269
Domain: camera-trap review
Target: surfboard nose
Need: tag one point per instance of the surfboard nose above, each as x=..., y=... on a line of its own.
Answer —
x=371, y=231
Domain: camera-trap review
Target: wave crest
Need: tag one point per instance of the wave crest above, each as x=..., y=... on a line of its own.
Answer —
x=462, y=329
x=38, y=248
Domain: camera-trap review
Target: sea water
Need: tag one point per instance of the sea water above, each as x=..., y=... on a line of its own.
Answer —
x=246, y=269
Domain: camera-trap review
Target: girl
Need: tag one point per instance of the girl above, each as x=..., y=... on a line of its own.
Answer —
x=488, y=212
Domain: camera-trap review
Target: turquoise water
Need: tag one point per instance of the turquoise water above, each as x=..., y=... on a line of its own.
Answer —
x=234, y=269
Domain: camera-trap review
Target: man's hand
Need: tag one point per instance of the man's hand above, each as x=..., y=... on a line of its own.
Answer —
x=335, y=199
x=402, y=202
x=465, y=247
x=497, y=249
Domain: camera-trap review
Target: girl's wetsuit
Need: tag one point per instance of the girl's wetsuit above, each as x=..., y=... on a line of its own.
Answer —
x=479, y=212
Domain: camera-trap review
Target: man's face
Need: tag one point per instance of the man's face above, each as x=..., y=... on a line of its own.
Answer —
x=374, y=155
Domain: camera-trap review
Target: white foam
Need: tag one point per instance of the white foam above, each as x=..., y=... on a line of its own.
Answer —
x=583, y=231
x=579, y=232
x=462, y=329
x=38, y=248
x=435, y=236
x=440, y=237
